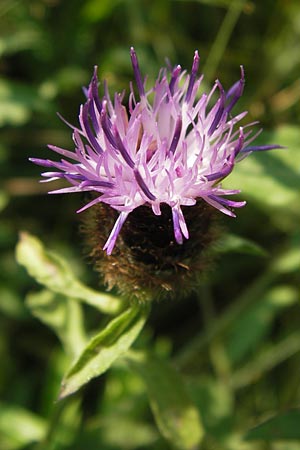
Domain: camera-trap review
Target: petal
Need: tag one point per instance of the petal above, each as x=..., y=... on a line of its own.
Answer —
x=110, y=243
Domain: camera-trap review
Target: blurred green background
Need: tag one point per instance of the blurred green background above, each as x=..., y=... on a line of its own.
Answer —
x=238, y=342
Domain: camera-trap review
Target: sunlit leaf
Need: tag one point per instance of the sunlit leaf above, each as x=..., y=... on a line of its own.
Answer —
x=63, y=315
x=51, y=270
x=266, y=359
x=64, y=432
x=11, y=303
x=279, y=427
x=94, y=10
x=104, y=348
x=289, y=261
x=17, y=102
x=19, y=427
x=176, y=416
x=255, y=321
x=215, y=400
x=22, y=39
x=238, y=244
x=117, y=430
x=272, y=178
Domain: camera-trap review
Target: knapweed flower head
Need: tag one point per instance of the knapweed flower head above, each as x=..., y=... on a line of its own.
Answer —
x=150, y=163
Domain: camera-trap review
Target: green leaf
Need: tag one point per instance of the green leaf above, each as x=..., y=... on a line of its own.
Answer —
x=176, y=416
x=253, y=324
x=117, y=429
x=104, y=348
x=64, y=424
x=266, y=359
x=272, y=178
x=282, y=426
x=17, y=102
x=52, y=271
x=4, y=200
x=19, y=427
x=234, y=243
x=11, y=303
x=225, y=3
x=18, y=40
x=288, y=262
x=63, y=315
x=215, y=400
x=95, y=11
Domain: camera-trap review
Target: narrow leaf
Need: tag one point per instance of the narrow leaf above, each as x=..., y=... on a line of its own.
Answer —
x=277, y=173
x=176, y=416
x=254, y=323
x=237, y=244
x=104, y=348
x=51, y=270
x=119, y=428
x=63, y=315
x=266, y=360
x=282, y=426
x=19, y=427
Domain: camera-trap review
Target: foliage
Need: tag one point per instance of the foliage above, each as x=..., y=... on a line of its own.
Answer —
x=219, y=370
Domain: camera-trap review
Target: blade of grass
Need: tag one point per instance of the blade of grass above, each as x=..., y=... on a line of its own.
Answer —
x=218, y=48
x=266, y=361
x=286, y=262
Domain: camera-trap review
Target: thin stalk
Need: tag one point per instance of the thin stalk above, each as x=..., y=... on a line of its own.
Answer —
x=266, y=361
x=218, y=48
x=49, y=442
x=220, y=324
x=217, y=352
x=285, y=262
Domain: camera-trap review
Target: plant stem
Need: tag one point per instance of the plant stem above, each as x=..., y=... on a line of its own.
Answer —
x=220, y=324
x=266, y=361
x=218, y=48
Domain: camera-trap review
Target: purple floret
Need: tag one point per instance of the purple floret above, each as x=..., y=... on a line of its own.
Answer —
x=174, y=149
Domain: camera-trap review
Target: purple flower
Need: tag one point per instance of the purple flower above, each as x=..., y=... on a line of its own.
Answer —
x=171, y=146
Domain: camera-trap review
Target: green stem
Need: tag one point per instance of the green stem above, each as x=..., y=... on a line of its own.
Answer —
x=286, y=261
x=217, y=352
x=267, y=360
x=220, y=324
x=218, y=48
x=49, y=441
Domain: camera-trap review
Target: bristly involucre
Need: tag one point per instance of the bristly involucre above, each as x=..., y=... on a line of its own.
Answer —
x=169, y=149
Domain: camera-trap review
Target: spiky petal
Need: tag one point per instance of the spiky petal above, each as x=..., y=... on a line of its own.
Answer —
x=174, y=150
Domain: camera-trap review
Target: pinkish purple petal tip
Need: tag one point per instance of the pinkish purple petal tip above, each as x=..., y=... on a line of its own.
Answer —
x=170, y=147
